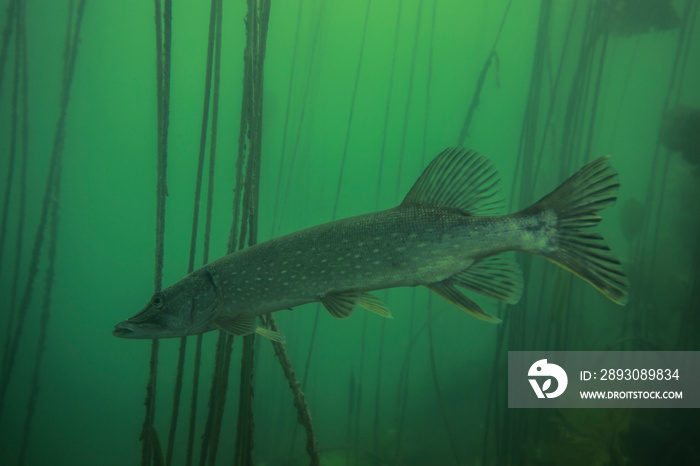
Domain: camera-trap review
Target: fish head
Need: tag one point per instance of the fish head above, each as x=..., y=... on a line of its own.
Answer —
x=185, y=308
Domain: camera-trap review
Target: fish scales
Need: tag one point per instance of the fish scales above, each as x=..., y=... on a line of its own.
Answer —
x=404, y=246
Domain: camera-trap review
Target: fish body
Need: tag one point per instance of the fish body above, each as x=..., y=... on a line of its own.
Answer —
x=437, y=237
x=404, y=246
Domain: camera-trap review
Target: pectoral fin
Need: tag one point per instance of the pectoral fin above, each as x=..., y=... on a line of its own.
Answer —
x=447, y=290
x=341, y=304
x=244, y=324
x=241, y=324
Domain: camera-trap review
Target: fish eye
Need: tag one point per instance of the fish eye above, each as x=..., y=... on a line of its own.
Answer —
x=158, y=300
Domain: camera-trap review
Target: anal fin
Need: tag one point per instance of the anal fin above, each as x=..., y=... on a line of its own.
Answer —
x=497, y=277
x=448, y=291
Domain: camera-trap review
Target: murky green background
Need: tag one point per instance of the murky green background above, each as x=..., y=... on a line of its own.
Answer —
x=92, y=386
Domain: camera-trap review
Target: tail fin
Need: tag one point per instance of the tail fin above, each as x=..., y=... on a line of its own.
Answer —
x=575, y=203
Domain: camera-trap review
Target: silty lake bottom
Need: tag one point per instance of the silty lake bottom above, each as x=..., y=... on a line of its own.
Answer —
x=134, y=151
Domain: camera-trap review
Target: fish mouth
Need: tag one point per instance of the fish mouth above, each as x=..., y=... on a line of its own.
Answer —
x=129, y=329
x=122, y=332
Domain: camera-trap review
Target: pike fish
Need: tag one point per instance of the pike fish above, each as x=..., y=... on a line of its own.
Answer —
x=444, y=236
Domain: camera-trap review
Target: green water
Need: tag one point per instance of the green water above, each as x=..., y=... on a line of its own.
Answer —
x=410, y=94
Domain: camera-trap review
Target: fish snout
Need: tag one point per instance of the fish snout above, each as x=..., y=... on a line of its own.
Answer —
x=129, y=329
x=146, y=324
x=122, y=332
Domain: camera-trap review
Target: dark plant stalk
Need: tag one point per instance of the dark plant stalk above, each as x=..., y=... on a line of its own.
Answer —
x=288, y=106
x=480, y=81
x=10, y=16
x=352, y=109
x=303, y=413
x=19, y=40
x=195, y=224
x=436, y=383
x=70, y=53
x=302, y=117
x=217, y=375
x=220, y=399
x=22, y=201
x=193, y=402
x=382, y=152
x=409, y=92
x=14, y=120
x=45, y=314
x=207, y=229
x=163, y=57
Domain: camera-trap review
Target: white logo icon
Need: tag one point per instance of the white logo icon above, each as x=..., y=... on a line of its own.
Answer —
x=542, y=368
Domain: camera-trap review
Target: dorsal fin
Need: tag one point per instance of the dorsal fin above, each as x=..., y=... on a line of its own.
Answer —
x=459, y=178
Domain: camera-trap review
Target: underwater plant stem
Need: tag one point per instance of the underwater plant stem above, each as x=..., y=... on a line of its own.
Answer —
x=523, y=173
x=193, y=401
x=207, y=230
x=352, y=110
x=19, y=59
x=177, y=391
x=480, y=81
x=428, y=82
x=436, y=382
x=288, y=106
x=555, y=87
x=150, y=403
x=220, y=399
x=302, y=118
x=403, y=385
x=382, y=156
x=45, y=314
x=214, y=133
x=163, y=54
x=656, y=183
x=303, y=413
x=596, y=94
x=307, y=365
x=22, y=201
x=195, y=224
x=409, y=93
x=163, y=50
x=356, y=393
x=494, y=386
x=389, y=93
x=13, y=138
x=6, y=35
x=246, y=202
x=378, y=386
x=71, y=50
x=216, y=375
x=244, y=438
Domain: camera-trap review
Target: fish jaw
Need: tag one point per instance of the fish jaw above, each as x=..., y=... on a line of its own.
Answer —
x=126, y=329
